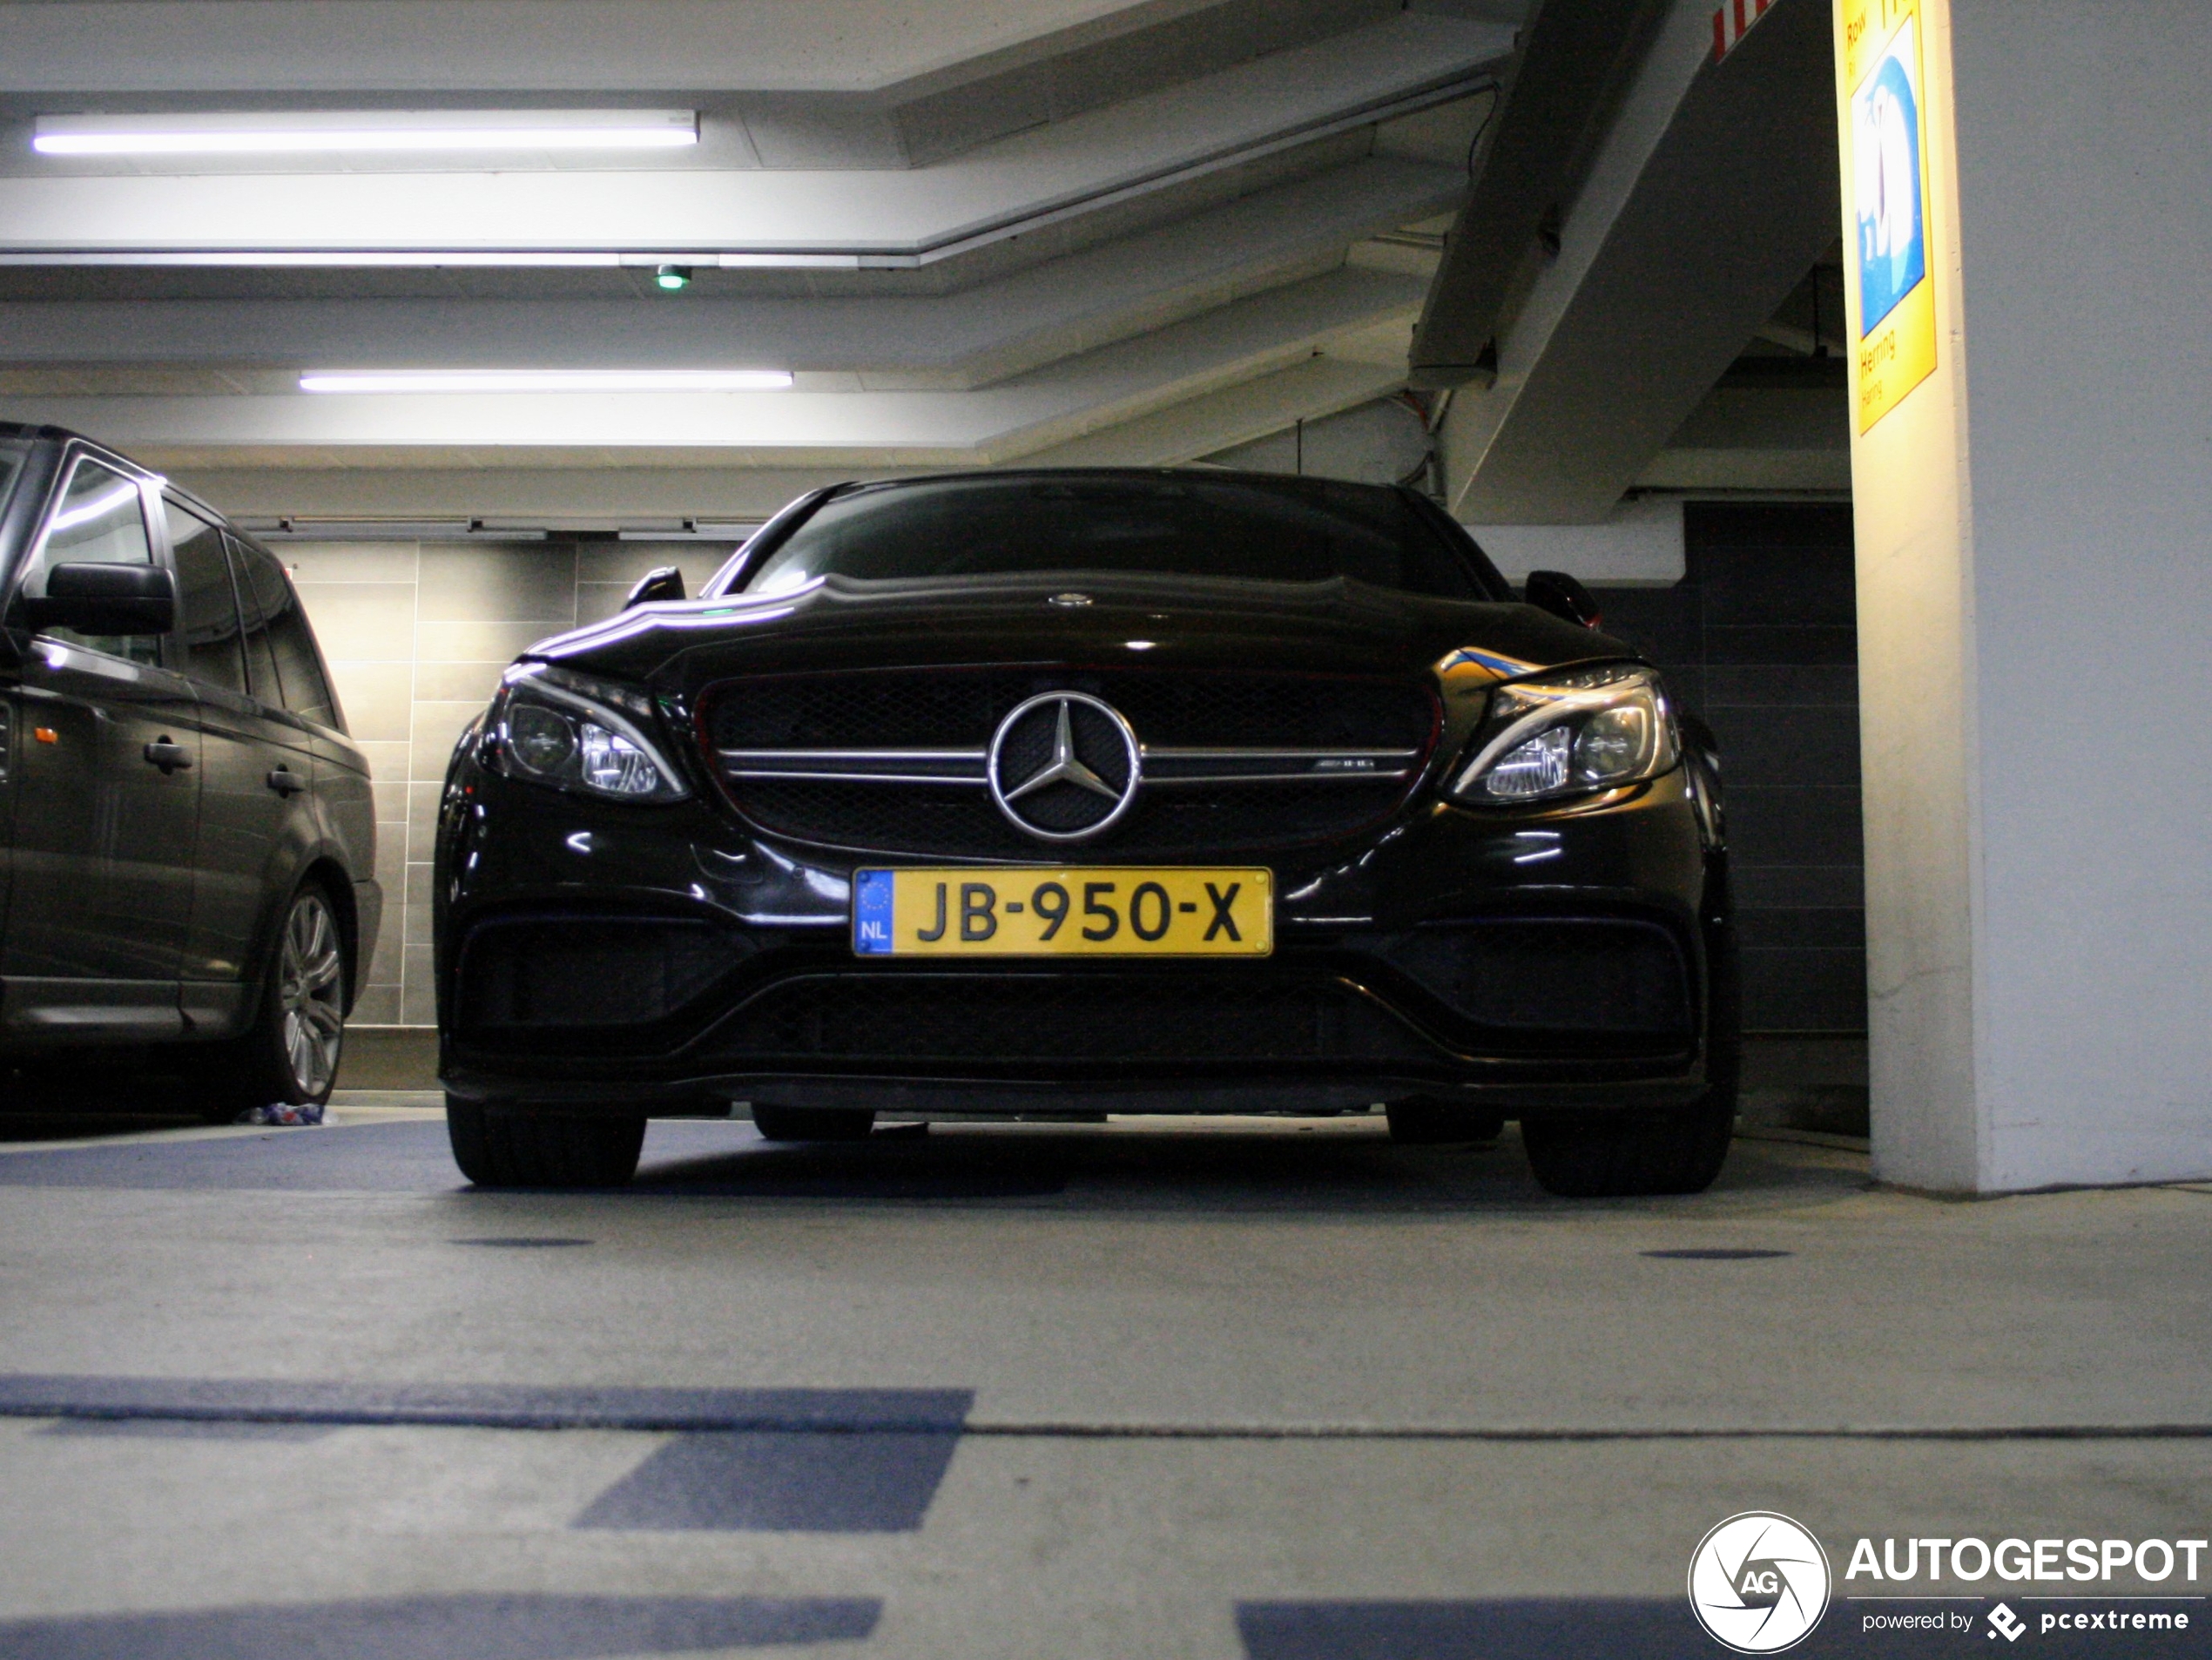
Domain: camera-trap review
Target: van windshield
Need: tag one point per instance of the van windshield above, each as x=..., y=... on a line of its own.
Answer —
x=1265, y=530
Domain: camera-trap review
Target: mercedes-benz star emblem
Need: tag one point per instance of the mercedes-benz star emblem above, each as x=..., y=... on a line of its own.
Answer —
x=1063, y=765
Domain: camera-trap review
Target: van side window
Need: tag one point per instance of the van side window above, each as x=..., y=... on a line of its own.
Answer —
x=214, y=652
x=281, y=648
x=98, y=521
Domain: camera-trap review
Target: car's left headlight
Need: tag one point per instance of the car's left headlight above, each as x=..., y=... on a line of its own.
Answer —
x=1568, y=734
x=553, y=725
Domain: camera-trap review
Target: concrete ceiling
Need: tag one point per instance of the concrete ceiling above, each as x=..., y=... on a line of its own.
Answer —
x=974, y=231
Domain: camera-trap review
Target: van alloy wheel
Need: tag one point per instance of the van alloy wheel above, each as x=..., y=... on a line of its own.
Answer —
x=311, y=993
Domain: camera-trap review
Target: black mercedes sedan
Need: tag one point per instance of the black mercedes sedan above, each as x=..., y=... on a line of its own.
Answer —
x=1083, y=791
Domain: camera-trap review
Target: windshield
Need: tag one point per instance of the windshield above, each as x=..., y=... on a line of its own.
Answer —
x=1289, y=529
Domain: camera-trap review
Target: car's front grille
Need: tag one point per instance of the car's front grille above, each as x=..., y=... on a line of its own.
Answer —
x=898, y=761
x=1092, y=1019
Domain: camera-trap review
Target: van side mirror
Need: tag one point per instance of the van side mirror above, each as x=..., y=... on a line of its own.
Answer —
x=106, y=600
x=667, y=583
x=1564, y=598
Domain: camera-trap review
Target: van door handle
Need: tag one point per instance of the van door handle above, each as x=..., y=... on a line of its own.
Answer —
x=286, y=782
x=169, y=755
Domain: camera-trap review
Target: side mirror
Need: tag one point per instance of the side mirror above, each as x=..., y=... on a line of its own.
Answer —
x=106, y=600
x=667, y=583
x=1564, y=598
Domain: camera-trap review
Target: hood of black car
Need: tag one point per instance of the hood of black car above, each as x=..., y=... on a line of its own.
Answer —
x=1093, y=619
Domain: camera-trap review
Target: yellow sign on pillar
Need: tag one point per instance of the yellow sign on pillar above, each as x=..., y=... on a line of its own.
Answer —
x=1888, y=145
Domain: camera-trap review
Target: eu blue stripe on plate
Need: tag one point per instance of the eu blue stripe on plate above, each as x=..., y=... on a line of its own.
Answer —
x=872, y=912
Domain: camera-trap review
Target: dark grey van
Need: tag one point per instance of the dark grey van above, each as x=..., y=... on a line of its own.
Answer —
x=189, y=833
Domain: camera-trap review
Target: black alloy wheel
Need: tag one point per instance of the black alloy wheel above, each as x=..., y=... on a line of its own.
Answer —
x=812, y=1123
x=508, y=1145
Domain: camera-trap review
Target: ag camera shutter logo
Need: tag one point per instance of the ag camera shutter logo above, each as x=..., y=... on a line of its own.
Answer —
x=1758, y=1583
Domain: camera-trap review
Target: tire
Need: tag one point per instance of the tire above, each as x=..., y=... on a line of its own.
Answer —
x=812, y=1123
x=289, y=1056
x=1624, y=1154
x=1423, y=1121
x=504, y=1144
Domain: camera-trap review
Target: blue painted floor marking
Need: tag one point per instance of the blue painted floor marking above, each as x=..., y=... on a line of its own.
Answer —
x=486, y=1405
x=782, y=1483
x=482, y=1626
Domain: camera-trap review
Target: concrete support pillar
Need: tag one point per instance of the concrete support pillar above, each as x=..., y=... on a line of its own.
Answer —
x=2032, y=466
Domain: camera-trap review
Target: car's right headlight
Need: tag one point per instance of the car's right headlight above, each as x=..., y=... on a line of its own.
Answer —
x=1568, y=734
x=553, y=725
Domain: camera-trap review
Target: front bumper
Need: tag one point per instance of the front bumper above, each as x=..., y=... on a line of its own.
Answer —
x=605, y=956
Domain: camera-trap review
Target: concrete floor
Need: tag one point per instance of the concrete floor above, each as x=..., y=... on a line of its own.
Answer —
x=1207, y=1388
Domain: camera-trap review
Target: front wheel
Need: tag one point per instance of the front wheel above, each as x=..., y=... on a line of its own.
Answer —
x=1629, y=1153
x=1626, y=1154
x=289, y=1056
x=505, y=1145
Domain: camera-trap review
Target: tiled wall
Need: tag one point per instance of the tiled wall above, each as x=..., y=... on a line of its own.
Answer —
x=1761, y=636
x=417, y=634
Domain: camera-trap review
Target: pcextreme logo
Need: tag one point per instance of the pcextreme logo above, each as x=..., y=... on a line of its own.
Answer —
x=1758, y=1583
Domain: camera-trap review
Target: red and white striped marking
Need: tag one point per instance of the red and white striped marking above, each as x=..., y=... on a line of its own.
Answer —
x=1733, y=21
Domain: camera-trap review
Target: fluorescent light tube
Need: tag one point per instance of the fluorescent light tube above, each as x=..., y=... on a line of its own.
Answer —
x=273, y=132
x=545, y=381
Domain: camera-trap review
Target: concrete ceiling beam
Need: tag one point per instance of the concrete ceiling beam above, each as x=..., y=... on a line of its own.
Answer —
x=1713, y=192
x=1571, y=63
x=968, y=338
x=886, y=49
x=1017, y=185
x=1066, y=400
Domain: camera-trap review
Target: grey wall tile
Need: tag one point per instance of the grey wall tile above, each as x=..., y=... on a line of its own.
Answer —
x=418, y=996
x=1765, y=684
x=422, y=813
x=1800, y=886
x=391, y=867
x=1802, y=991
x=387, y=761
x=1793, y=824
x=458, y=682
x=320, y=562
x=369, y=621
x=419, y=874
x=436, y=726
x=377, y=1005
x=1828, y=930
x=391, y=790
x=598, y=601
x=377, y=698
x=1790, y=745
x=534, y=584
x=624, y=562
x=477, y=639
x=384, y=960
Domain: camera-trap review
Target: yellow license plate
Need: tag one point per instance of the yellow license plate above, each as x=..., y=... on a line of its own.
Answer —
x=1095, y=911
